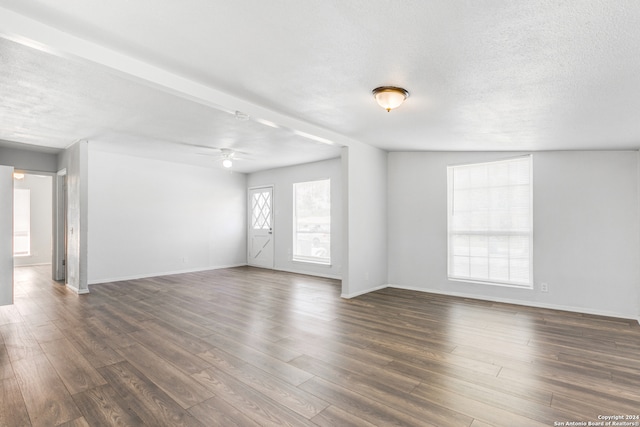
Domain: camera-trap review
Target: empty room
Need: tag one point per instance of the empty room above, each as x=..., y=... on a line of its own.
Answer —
x=278, y=213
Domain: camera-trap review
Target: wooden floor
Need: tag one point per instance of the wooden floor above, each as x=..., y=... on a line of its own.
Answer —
x=251, y=347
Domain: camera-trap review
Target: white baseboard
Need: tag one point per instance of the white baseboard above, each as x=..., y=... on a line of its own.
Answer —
x=31, y=265
x=535, y=304
x=366, y=291
x=77, y=290
x=165, y=273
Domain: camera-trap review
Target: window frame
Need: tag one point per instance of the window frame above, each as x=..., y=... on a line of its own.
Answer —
x=529, y=284
x=306, y=258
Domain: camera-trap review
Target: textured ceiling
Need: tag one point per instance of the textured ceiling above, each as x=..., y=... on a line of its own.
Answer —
x=51, y=102
x=483, y=75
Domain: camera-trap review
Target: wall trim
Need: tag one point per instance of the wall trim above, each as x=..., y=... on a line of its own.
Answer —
x=165, y=273
x=535, y=304
x=32, y=265
x=366, y=291
x=77, y=290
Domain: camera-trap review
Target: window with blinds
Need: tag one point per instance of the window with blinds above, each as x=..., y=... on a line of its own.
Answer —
x=312, y=221
x=491, y=222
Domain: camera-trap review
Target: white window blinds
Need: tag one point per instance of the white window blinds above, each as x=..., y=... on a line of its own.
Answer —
x=490, y=222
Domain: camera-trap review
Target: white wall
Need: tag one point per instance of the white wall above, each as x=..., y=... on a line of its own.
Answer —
x=586, y=228
x=41, y=220
x=26, y=159
x=150, y=217
x=365, y=242
x=6, y=235
x=282, y=180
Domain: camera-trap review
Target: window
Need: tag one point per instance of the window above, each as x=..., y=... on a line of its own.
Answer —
x=490, y=222
x=312, y=221
x=21, y=222
x=261, y=210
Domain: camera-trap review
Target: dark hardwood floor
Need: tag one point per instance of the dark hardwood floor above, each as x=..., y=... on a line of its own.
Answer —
x=252, y=347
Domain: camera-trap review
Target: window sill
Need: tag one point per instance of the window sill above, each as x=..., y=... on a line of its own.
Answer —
x=315, y=262
x=480, y=282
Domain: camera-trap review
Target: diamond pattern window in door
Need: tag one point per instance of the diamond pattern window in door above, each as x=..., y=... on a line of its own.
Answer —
x=261, y=211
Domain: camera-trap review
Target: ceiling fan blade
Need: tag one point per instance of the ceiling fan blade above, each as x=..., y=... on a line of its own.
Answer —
x=206, y=147
x=217, y=153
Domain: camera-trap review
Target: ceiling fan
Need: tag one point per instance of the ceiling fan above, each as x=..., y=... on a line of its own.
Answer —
x=225, y=155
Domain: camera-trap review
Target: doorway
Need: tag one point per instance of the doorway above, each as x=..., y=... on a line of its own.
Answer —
x=32, y=222
x=260, y=234
x=26, y=228
x=33, y=201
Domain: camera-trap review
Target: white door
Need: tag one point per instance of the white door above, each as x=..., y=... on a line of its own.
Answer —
x=6, y=235
x=260, y=235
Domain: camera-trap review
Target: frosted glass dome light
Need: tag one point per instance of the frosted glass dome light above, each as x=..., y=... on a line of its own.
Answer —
x=390, y=97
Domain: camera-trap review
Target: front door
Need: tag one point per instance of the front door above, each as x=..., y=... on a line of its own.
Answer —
x=6, y=235
x=260, y=235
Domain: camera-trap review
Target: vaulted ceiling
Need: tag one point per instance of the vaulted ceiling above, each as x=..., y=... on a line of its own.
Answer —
x=484, y=75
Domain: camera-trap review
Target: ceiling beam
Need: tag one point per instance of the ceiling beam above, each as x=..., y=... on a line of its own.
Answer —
x=38, y=35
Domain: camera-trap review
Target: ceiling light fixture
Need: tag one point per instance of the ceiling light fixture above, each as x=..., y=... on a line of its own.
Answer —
x=227, y=154
x=18, y=175
x=390, y=97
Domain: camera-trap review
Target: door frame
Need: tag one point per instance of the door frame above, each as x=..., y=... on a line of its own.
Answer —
x=60, y=226
x=249, y=217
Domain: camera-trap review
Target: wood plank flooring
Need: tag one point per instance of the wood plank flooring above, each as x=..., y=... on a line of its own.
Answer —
x=252, y=347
